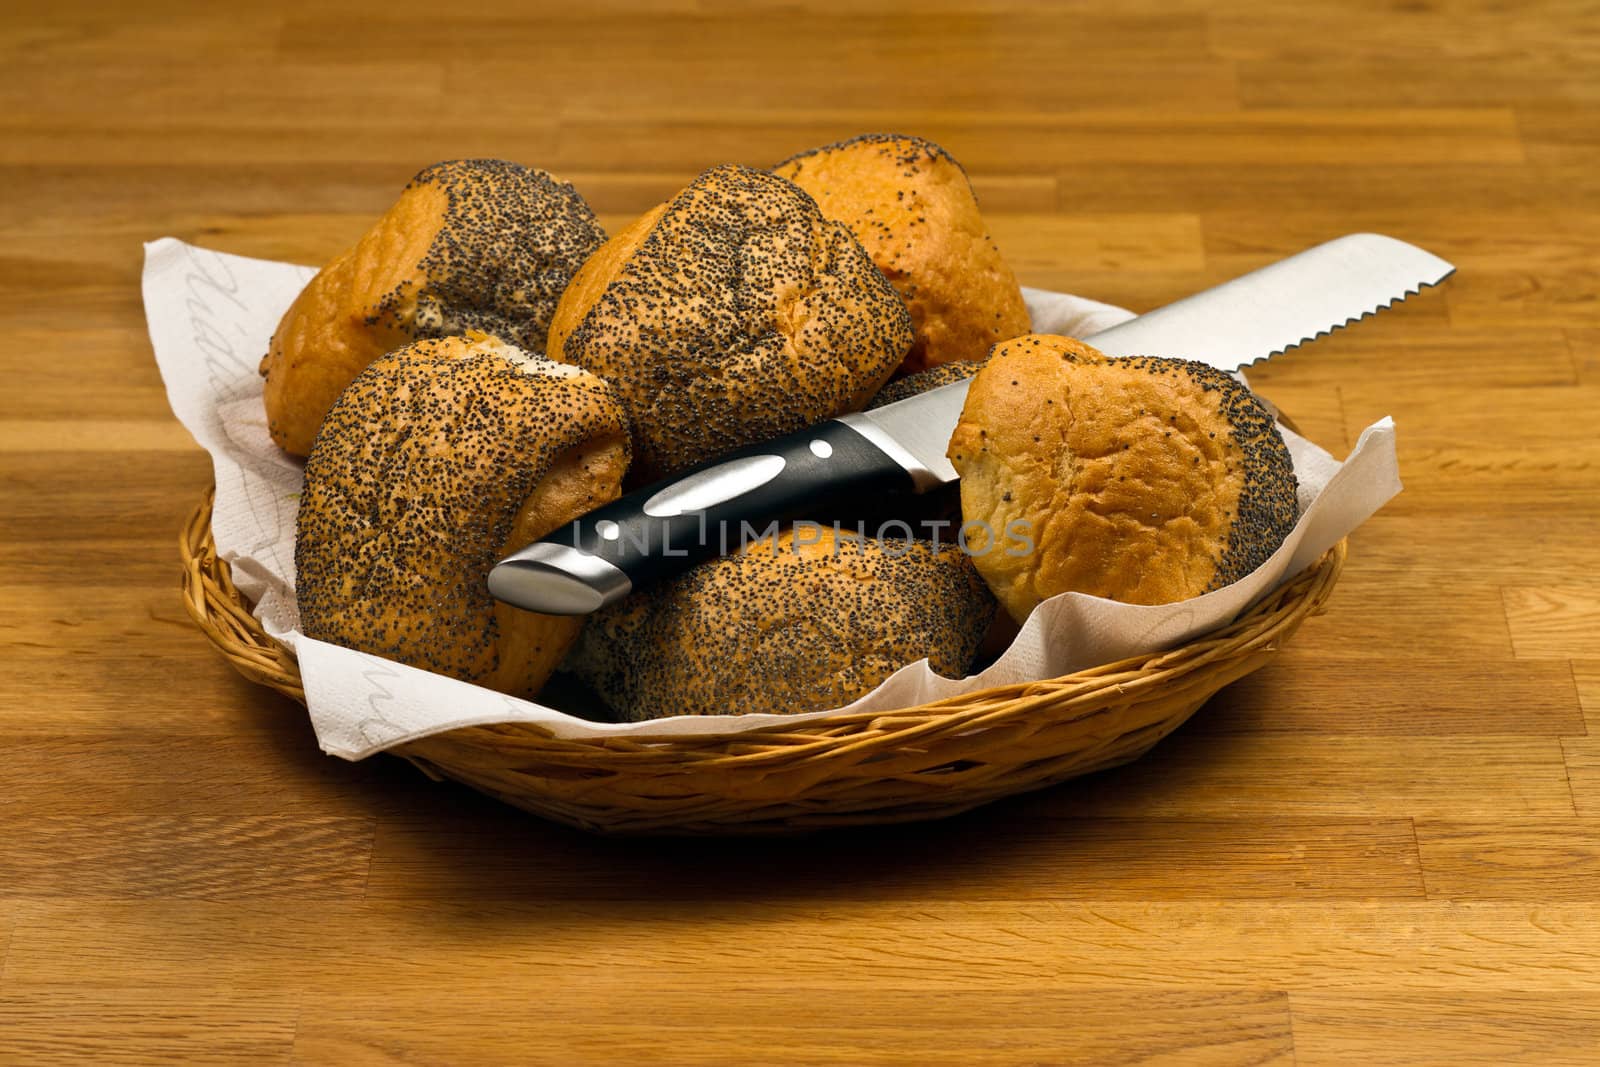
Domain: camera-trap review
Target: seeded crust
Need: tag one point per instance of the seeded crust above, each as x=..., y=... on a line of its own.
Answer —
x=922, y=381
x=1142, y=480
x=733, y=313
x=438, y=460
x=470, y=244
x=785, y=627
x=593, y=278
x=911, y=205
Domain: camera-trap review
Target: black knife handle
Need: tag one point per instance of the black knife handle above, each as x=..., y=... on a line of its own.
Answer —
x=664, y=529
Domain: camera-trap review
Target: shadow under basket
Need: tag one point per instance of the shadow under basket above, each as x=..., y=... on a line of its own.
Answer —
x=923, y=762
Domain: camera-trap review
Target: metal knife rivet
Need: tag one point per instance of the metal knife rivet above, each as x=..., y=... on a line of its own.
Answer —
x=608, y=529
x=821, y=449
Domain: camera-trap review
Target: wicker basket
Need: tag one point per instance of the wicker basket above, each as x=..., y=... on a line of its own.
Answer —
x=874, y=767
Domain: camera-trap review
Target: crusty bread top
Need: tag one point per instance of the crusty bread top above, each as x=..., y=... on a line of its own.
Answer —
x=433, y=464
x=1142, y=480
x=511, y=239
x=470, y=244
x=597, y=272
x=800, y=622
x=912, y=207
x=334, y=329
x=922, y=381
x=735, y=314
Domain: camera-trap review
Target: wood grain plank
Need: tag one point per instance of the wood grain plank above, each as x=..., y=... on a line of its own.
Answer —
x=568, y=954
x=45, y=493
x=120, y=694
x=198, y=1025
x=61, y=622
x=1000, y=193
x=8, y=921
x=1462, y=414
x=503, y=10
x=1368, y=610
x=1414, y=354
x=1584, y=345
x=87, y=305
x=1586, y=680
x=211, y=857
x=260, y=772
x=885, y=1026
x=1490, y=1027
x=1313, y=689
x=1478, y=30
x=41, y=89
x=199, y=141
x=1583, y=754
x=1365, y=183
x=722, y=41
x=1334, y=81
x=144, y=562
x=1583, y=772
x=1324, y=775
x=981, y=857
x=1500, y=239
x=86, y=35
x=768, y=71
x=1451, y=444
x=1528, y=297
x=94, y=436
x=1510, y=859
x=54, y=388
x=1325, y=138
x=1034, y=243
x=1556, y=134
x=1554, y=621
x=1474, y=547
x=1532, y=477
x=95, y=253
x=135, y=197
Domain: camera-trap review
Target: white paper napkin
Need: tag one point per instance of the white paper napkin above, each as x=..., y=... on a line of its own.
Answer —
x=211, y=316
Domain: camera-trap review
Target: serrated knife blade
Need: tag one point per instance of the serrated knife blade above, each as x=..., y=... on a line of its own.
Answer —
x=1282, y=305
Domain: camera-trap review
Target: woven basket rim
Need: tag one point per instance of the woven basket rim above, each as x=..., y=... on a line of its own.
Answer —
x=224, y=615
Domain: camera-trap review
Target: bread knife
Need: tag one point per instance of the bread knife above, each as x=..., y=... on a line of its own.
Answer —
x=663, y=529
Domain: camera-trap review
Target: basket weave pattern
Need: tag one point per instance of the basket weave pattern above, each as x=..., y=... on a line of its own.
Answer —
x=914, y=763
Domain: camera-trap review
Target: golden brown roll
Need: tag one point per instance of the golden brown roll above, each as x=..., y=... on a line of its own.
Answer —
x=801, y=622
x=732, y=313
x=912, y=207
x=438, y=460
x=470, y=244
x=1141, y=480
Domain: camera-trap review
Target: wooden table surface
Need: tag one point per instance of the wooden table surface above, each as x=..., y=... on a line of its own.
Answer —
x=1384, y=848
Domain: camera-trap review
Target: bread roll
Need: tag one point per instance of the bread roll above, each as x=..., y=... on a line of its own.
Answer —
x=470, y=244
x=911, y=205
x=1141, y=480
x=733, y=313
x=438, y=460
x=801, y=622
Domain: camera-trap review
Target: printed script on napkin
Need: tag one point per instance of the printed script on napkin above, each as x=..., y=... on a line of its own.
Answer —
x=211, y=316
